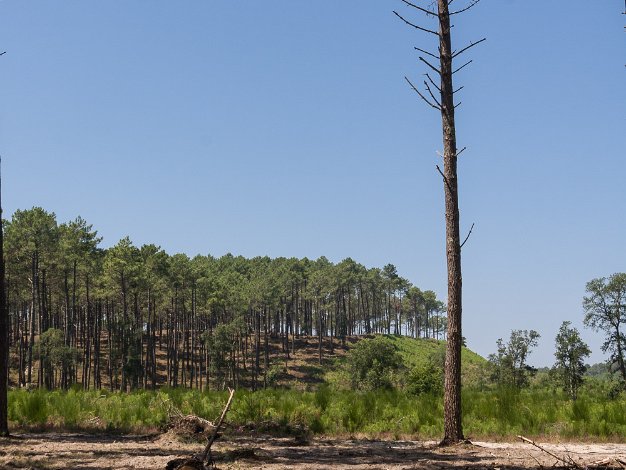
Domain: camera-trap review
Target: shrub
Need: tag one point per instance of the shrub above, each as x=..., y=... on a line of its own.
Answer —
x=372, y=364
x=273, y=374
x=425, y=378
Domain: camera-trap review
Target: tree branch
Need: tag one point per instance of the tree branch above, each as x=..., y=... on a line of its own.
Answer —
x=445, y=180
x=207, y=449
x=430, y=65
x=468, y=47
x=431, y=94
x=425, y=10
x=462, y=66
x=458, y=89
x=426, y=52
x=414, y=25
x=422, y=96
x=570, y=463
x=461, y=151
x=471, y=5
x=434, y=84
x=470, y=231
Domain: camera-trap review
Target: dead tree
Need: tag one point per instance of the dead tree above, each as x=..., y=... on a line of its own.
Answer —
x=440, y=96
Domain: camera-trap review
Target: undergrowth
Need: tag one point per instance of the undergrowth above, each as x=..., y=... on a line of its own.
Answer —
x=486, y=413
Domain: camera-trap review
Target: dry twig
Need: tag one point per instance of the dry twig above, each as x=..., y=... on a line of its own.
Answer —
x=568, y=461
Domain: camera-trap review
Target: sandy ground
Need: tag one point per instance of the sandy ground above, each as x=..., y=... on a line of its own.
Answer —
x=82, y=451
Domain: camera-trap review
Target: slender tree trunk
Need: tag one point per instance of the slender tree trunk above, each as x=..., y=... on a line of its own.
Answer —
x=73, y=371
x=620, y=354
x=33, y=304
x=453, y=430
x=319, y=330
x=4, y=339
x=88, y=337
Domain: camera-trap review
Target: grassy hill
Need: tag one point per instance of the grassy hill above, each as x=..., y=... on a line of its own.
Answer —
x=417, y=352
x=304, y=370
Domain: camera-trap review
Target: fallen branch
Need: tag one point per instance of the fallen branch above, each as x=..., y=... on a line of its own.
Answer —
x=611, y=462
x=567, y=461
x=202, y=461
x=207, y=449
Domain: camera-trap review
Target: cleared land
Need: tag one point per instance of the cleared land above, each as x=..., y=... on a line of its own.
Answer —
x=333, y=416
x=79, y=451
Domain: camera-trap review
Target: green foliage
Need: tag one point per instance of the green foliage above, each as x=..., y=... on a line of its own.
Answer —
x=221, y=343
x=426, y=378
x=273, y=374
x=570, y=353
x=53, y=351
x=600, y=370
x=605, y=310
x=372, y=364
x=28, y=408
x=419, y=356
x=137, y=296
x=509, y=367
x=505, y=411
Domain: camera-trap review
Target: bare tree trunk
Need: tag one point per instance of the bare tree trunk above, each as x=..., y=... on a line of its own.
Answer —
x=453, y=430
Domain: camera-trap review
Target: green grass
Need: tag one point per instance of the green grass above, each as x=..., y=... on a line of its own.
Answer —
x=501, y=413
x=419, y=353
x=333, y=409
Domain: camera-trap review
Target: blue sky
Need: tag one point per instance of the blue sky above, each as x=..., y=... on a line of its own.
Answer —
x=285, y=128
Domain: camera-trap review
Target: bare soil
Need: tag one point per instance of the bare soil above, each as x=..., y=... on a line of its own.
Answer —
x=82, y=451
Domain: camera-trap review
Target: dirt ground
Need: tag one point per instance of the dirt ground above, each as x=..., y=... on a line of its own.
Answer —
x=82, y=451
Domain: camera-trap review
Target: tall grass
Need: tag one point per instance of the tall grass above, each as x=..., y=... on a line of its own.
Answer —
x=492, y=413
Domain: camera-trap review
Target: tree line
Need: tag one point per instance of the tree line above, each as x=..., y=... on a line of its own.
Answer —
x=129, y=317
x=604, y=311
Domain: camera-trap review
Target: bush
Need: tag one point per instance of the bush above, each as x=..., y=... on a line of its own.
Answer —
x=273, y=374
x=372, y=364
x=427, y=378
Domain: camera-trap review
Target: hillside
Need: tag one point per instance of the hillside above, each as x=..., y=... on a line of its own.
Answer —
x=301, y=369
x=305, y=371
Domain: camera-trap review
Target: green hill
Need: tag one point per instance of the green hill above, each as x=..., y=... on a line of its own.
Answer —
x=415, y=353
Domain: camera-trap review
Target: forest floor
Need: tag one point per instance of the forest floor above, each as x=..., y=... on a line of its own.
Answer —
x=83, y=451
x=303, y=366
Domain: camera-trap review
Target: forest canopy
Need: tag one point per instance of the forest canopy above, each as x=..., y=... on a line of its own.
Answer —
x=80, y=313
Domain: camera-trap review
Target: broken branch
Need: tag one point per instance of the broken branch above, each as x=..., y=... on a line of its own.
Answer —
x=414, y=25
x=427, y=53
x=468, y=47
x=471, y=5
x=431, y=94
x=462, y=66
x=468, y=235
x=425, y=10
x=445, y=180
x=207, y=449
x=567, y=462
x=434, y=84
x=430, y=65
x=422, y=96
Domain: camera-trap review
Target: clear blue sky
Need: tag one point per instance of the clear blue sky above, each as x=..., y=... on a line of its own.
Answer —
x=285, y=128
